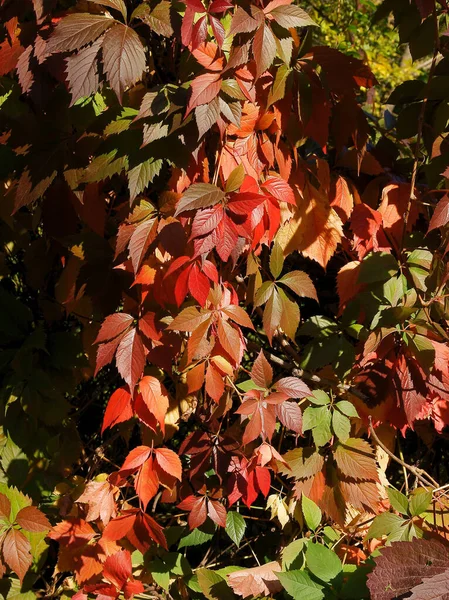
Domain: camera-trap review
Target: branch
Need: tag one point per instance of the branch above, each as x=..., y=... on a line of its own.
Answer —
x=421, y=475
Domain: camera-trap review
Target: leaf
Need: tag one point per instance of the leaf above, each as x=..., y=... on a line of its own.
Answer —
x=432, y=588
x=113, y=326
x=419, y=502
x=404, y=565
x=115, y=4
x=355, y=458
x=311, y=512
x=130, y=358
x=189, y=319
x=277, y=92
x=169, y=462
x=322, y=562
x=398, y=500
x=197, y=537
x=141, y=240
x=82, y=71
x=341, y=426
x=440, y=216
x=123, y=58
x=155, y=397
x=235, y=179
x=5, y=507
x=158, y=19
x=204, y=89
x=235, y=527
x=77, y=30
x=300, y=283
x=289, y=15
x=385, y=524
x=146, y=482
x=32, y=519
x=378, y=266
x=262, y=373
x=213, y=585
x=264, y=49
x=293, y=387
x=290, y=415
x=118, y=409
x=298, y=584
x=100, y=498
x=258, y=581
x=16, y=552
x=243, y=22
x=347, y=408
x=140, y=176
x=199, y=195
x=276, y=260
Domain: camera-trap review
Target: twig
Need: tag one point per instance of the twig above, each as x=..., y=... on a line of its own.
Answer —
x=420, y=474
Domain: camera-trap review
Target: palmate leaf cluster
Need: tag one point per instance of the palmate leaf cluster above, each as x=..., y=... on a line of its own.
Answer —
x=224, y=299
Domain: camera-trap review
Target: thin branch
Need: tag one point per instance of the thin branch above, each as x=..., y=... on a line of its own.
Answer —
x=420, y=474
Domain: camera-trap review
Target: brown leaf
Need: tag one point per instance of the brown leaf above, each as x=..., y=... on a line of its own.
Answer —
x=32, y=519
x=258, y=581
x=16, y=552
x=123, y=58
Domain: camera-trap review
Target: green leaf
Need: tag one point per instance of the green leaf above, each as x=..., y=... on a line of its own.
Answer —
x=341, y=426
x=312, y=513
x=197, y=536
x=318, y=326
x=378, y=266
x=213, y=586
x=347, y=408
x=398, y=500
x=235, y=526
x=422, y=349
x=300, y=586
x=277, y=91
x=319, y=397
x=293, y=553
x=322, y=562
x=235, y=179
x=385, y=524
x=141, y=176
x=276, y=260
x=419, y=502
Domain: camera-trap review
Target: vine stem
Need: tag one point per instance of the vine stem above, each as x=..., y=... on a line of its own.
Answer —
x=420, y=474
x=412, y=196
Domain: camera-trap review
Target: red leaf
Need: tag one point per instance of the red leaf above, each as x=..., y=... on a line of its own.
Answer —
x=72, y=532
x=169, y=462
x=118, y=409
x=113, y=326
x=217, y=512
x=264, y=49
x=262, y=373
x=118, y=528
x=290, y=415
x=5, y=507
x=32, y=519
x=16, y=552
x=199, y=285
x=280, y=189
x=117, y=568
x=204, y=89
x=155, y=397
x=141, y=239
x=130, y=358
x=293, y=387
x=147, y=526
x=440, y=216
x=135, y=460
x=214, y=384
x=146, y=482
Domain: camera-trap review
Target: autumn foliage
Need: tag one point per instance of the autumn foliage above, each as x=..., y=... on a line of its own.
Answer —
x=224, y=304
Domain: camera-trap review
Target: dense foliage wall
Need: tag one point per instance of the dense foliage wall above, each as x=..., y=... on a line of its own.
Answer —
x=224, y=299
